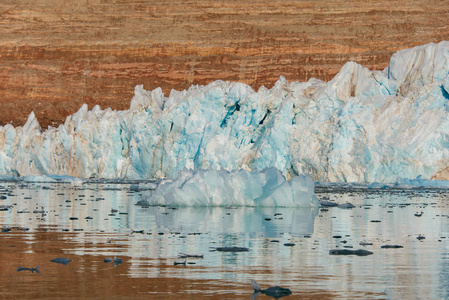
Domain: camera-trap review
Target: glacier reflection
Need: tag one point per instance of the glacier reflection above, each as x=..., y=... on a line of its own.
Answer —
x=95, y=220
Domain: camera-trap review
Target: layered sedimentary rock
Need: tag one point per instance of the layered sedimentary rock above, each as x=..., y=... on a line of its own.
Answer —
x=55, y=56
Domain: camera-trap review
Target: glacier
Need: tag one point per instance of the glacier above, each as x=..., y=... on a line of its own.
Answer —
x=362, y=126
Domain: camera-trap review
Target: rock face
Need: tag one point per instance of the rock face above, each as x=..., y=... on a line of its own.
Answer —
x=56, y=55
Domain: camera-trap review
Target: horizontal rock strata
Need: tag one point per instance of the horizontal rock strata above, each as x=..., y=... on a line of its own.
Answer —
x=56, y=55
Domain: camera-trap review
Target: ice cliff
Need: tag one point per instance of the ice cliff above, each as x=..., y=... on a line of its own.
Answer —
x=362, y=126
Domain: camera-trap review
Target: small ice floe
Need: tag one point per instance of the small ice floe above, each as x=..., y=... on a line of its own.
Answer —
x=143, y=203
x=32, y=270
x=8, y=229
x=184, y=255
x=359, y=252
x=365, y=243
x=391, y=246
x=184, y=263
x=346, y=205
x=274, y=291
x=61, y=260
x=54, y=178
x=147, y=186
x=117, y=260
x=326, y=203
x=231, y=249
x=5, y=207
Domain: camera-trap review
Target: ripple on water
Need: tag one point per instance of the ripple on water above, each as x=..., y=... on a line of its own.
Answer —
x=289, y=250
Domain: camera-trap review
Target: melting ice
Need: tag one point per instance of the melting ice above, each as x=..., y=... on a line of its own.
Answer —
x=362, y=126
x=238, y=188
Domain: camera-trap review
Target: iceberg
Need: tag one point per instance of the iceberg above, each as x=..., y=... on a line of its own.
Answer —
x=267, y=188
x=362, y=126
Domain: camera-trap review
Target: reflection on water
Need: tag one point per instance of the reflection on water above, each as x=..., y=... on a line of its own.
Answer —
x=91, y=222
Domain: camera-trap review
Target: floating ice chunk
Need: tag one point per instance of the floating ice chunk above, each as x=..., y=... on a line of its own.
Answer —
x=143, y=186
x=237, y=188
x=38, y=178
x=53, y=178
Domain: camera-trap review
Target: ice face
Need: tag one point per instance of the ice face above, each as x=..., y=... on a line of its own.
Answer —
x=362, y=126
x=267, y=188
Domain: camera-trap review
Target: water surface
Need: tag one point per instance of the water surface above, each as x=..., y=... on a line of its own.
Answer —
x=90, y=222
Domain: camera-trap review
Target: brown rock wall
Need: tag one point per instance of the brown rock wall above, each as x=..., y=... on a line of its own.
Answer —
x=56, y=55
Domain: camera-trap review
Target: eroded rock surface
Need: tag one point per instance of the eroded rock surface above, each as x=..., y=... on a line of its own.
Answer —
x=55, y=56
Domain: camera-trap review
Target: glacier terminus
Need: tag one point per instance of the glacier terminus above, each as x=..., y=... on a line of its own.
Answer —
x=362, y=126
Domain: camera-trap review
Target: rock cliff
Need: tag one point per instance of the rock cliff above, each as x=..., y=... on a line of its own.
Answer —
x=56, y=55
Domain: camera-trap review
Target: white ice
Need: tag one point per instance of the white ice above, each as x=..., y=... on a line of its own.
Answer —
x=239, y=188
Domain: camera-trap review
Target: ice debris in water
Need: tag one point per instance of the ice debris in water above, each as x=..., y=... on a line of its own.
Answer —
x=420, y=182
x=53, y=178
x=362, y=126
x=239, y=188
x=61, y=260
x=143, y=186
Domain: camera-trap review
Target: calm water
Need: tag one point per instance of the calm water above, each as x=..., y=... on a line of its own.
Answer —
x=93, y=221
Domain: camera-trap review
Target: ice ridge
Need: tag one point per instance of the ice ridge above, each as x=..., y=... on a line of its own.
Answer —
x=362, y=126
